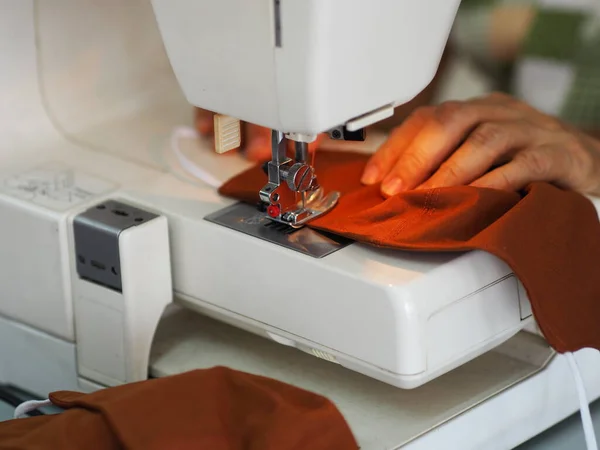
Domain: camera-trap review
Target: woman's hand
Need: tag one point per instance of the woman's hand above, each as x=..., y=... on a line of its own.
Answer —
x=494, y=141
x=256, y=140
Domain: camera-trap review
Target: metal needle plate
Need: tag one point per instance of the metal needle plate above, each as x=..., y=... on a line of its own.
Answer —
x=248, y=220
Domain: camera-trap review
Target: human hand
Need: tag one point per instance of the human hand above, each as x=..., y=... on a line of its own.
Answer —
x=256, y=140
x=493, y=141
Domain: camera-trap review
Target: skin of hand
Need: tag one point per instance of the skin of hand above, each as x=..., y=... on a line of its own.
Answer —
x=493, y=141
x=256, y=141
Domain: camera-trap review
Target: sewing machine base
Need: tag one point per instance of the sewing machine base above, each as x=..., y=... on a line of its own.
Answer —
x=448, y=413
x=248, y=220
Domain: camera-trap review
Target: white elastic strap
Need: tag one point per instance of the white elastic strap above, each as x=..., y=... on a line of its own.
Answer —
x=187, y=164
x=584, y=406
x=31, y=405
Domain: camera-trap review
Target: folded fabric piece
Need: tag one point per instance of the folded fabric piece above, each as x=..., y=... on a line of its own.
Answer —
x=549, y=237
x=213, y=409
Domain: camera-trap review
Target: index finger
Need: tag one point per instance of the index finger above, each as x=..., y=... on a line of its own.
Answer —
x=386, y=156
x=443, y=133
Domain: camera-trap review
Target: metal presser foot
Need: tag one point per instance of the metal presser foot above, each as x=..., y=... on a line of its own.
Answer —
x=292, y=195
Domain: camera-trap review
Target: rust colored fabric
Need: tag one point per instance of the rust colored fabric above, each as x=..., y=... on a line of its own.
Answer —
x=549, y=237
x=213, y=409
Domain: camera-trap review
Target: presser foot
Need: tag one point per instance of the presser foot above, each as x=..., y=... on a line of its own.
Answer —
x=314, y=204
x=296, y=177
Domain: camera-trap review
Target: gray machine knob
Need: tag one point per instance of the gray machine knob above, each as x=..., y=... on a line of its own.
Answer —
x=300, y=177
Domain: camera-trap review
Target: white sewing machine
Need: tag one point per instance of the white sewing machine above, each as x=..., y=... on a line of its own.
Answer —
x=301, y=68
x=102, y=226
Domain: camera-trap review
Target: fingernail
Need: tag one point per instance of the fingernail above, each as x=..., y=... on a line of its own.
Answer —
x=370, y=175
x=392, y=186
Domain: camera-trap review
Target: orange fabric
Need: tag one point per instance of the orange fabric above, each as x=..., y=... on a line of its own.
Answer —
x=549, y=237
x=213, y=409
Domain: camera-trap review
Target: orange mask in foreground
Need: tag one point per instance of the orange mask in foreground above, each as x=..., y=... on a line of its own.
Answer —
x=213, y=409
x=549, y=237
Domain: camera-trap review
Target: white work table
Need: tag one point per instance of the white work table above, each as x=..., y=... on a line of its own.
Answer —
x=450, y=412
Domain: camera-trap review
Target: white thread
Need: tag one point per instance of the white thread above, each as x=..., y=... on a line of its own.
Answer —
x=584, y=407
x=187, y=164
x=31, y=405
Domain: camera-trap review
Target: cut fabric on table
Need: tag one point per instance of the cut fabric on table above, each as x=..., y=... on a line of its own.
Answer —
x=549, y=237
x=217, y=409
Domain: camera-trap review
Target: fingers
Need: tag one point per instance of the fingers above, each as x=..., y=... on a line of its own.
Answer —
x=461, y=142
x=489, y=144
x=389, y=153
x=205, y=123
x=545, y=163
x=439, y=137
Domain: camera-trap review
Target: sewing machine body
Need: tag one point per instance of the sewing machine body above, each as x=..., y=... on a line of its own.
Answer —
x=311, y=65
x=403, y=321
x=398, y=317
x=422, y=318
